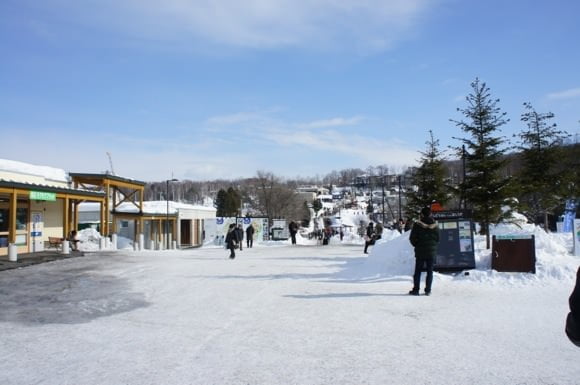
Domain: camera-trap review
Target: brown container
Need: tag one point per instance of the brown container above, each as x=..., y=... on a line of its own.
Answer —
x=513, y=254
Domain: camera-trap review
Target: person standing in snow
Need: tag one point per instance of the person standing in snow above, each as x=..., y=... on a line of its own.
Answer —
x=293, y=227
x=240, y=235
x=573, y=320
x=369, y=236
x=424, y=237
x=250, y=236
x=231, y=240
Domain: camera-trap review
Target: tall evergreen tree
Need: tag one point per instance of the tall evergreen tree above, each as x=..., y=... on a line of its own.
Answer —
x=539, y=180
x=484, y=189
x=316, y=206
x=233, y=202
x=429, y=178
x=220, y=203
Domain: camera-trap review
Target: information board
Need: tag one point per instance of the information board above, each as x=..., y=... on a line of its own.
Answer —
x=455, y=251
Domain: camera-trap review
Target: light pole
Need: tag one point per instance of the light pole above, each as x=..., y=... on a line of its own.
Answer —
x=400, y=212
x=167, y=212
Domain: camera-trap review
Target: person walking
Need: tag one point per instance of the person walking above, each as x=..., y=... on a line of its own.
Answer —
x=293, y=227
x=424, y=237
x=240, y=235
x=369, y=236
x=250, y=236
x=573, y=320
x=231, y=240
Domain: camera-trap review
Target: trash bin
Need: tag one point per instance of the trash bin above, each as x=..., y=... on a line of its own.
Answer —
x=513, y=253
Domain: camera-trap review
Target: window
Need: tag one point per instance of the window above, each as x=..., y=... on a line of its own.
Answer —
x=21, y=218
x=4, y=218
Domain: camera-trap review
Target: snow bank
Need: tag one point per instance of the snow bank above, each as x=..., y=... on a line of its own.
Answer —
x=393, y=258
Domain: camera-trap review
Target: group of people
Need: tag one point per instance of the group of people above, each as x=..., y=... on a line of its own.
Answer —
x=235, y=238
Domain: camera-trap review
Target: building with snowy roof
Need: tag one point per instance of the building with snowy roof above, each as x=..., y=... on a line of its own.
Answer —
x=160, y=222
x=37, y=203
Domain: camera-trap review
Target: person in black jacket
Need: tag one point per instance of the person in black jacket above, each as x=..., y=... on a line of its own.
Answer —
x=240, y=235
x=370, y=234
x=231, y=240
x=424, y=237
x=573, y=320
x=250, y=236
x=293, y=227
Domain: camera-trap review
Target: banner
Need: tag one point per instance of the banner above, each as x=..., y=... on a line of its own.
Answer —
x=216, y=230
x=569, y=215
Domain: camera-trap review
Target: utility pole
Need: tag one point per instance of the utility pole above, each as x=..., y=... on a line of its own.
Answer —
x=383, y=191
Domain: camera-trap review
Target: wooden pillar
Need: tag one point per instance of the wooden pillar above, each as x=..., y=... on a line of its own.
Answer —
x=102, y=207
x=65, y=217
x=107, y=211
x=141, y=191
x=12, y=221
x=114, y=223
x=74, y=213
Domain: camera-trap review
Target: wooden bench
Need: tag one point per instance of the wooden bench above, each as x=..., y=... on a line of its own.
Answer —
x=55, y=242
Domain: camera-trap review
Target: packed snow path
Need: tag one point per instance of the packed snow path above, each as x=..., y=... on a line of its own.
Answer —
x=274, y=315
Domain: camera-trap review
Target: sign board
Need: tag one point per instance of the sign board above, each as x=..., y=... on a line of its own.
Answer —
x=455, y=250
x=37, y=228
x=577, y=237
x=42, y=196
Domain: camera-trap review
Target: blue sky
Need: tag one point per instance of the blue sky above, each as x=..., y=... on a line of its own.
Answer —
x=220, y=89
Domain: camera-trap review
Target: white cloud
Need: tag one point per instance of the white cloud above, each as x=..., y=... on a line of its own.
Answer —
x=334, y=122
x=369, y=25
x=360, y=148
x=566, y=94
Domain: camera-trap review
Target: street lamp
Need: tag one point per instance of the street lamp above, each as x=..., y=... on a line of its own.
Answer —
x=167, y=212
x=400, y=211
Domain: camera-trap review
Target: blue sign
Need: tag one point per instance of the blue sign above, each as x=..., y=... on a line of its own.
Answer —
x=247, y=221
x=569, y=215
x=36, y=233
x=219, y=221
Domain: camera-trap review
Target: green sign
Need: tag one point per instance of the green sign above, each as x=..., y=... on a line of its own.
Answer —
x=514, y=236
x=42, y=196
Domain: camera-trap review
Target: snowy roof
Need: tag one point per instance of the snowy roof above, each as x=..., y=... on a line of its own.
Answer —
x=50, y=188
x=149, y=207
x=106, y=176
x=46, y=172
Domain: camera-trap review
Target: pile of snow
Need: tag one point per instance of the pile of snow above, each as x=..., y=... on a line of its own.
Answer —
x=393, y=257
x=89, y=239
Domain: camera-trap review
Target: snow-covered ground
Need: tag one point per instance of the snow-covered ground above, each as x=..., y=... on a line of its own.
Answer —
x=282, y=314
